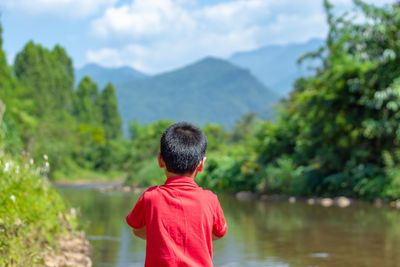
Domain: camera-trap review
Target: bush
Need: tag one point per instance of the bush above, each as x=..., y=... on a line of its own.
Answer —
x=149, y=174
x=32, y=213
x=282, y=177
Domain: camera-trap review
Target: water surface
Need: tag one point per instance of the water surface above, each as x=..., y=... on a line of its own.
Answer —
x=259, y=233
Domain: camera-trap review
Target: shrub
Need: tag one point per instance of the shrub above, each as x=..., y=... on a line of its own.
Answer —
x=32, y=213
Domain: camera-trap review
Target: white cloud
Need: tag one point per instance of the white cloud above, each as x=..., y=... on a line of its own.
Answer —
x=64, y=8
x=142, y=18
x=130, y=55
x=159, y=35
x=109, y=55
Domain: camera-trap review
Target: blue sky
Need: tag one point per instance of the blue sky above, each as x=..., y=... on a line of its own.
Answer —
x=159, y=35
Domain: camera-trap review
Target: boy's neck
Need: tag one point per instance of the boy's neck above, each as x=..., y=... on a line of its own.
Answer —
x=172, y=174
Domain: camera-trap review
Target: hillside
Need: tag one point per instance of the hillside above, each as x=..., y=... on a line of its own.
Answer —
x=275, y=65
x=211, y=90
x=102, y=75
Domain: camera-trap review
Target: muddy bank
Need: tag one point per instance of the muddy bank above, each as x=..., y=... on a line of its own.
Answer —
x=70, y=250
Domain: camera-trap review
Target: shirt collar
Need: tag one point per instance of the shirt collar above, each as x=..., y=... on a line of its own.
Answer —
x=180, y=181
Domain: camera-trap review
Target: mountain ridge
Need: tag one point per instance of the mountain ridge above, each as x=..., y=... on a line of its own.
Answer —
x=276, y=65
x=227, y=90
x=219, y=90
x=103, y=75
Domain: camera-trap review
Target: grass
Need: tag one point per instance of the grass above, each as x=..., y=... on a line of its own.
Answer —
x=32, y=214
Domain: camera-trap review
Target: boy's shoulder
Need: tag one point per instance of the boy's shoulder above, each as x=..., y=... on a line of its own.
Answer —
x=210, y=193
x=149, y=190
x=155, y=190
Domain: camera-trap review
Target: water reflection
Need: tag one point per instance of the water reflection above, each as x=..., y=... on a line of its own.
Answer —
x=259, y=233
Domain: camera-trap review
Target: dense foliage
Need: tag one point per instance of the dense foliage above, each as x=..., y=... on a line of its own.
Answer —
x=222, y=170
x=43, y=114
x=338, y=132
x=32, y=213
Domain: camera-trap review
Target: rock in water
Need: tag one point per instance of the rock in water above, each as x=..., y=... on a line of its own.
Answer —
x=326, y=202
x=342, y=202
x=246, y=195
x=311, y=201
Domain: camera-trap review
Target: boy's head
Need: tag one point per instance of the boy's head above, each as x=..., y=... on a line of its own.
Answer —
x=183, y=146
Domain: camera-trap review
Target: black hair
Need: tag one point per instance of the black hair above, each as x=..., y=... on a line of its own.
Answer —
x=182, y=147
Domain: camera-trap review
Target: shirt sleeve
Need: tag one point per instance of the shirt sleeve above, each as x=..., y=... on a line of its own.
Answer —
x=136, y=218
x=219, y=228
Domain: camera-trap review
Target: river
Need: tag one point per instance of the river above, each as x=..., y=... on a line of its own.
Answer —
x=259, y=233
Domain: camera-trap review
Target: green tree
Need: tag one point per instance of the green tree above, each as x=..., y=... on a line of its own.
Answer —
x=47, y=78
x=112, y=123
x=338, y=123
x=86, y=103
x=245, y=127
x=43, y=98
x=5, y=73
x=10, y=138
x=64, y=78
x=90, y=137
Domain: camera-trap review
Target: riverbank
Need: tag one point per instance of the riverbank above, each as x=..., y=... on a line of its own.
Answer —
x=101, y=185
x=340, y=201
x=70, y=250
x=37, y=227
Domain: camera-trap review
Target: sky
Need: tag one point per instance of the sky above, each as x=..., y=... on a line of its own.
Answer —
x=155, y=36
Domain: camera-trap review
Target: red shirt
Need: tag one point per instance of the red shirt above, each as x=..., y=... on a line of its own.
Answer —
x=180, y=218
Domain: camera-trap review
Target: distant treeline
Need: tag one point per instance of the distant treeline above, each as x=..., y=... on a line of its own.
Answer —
x=45, y=115
x=337, y=133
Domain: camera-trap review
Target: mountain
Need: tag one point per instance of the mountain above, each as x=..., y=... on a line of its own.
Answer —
x=275, y=65
x=211, y=90
x=102, y=75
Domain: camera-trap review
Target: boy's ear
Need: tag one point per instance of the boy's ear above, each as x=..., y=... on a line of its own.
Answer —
x=161, y=162
x=200, y=167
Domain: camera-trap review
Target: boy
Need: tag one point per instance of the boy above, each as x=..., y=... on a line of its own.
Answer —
x=179, y=219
